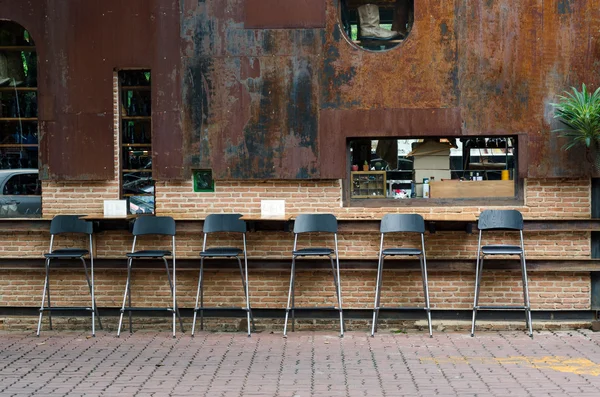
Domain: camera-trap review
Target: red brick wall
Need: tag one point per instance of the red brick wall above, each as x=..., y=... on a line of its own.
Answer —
x=544, y=198
x=268, y=289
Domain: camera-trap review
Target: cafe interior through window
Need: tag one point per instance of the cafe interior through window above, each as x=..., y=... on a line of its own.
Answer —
x=436, y=168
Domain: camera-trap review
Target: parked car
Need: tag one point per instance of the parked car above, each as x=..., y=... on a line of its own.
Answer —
x=20, y=193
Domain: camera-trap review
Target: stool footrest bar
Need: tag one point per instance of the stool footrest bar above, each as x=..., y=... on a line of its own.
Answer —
x=501, y=307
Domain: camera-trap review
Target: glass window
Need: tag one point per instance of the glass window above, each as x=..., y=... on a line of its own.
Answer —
x=437, y=168
x=376, y=25
x=136, y=141
x=22, y=184
x=18, y=122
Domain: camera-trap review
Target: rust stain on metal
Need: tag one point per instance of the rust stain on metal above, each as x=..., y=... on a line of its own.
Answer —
x=79, y=44
x=266, y=103
x=282, y=14
x=252, y=96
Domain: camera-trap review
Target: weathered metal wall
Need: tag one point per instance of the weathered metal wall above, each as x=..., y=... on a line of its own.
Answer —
x=276, y=91
x=251, y=96
x=80, y=44
x=273, y=103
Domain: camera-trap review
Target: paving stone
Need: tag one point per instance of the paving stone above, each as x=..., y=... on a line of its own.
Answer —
x=553, y=363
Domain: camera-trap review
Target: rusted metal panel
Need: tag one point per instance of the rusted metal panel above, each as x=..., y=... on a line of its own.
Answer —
x=255, y=101
x=515, y=57
x=79, y=46
x=336, y=126
x=250, y=97
x=284, y=14
x=169, y=145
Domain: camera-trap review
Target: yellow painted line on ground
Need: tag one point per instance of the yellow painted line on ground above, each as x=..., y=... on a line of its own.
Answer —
x=579, y=366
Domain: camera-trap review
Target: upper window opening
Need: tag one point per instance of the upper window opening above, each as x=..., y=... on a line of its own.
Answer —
x=440, y=168
x=20, y=194
x=377, y=25
x=136, y=140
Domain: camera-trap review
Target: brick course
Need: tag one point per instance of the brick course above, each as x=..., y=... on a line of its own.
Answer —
x=543, y=198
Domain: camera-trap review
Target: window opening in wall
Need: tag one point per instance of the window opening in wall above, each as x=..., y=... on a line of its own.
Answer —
x=376, y=25
x=20, y=188
x=440, y=168
x=136, y=141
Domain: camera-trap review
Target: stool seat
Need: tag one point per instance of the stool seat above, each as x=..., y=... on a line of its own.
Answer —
x=67, y=253
x=313, y=252
x=149, y=254
x=401, y=251
x=501, y=250
x=222, y=252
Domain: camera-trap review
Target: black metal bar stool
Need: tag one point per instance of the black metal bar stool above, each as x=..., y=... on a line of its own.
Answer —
x=402, y=223
x=147, y=226
x=69, y=224
x=501, y=220
x=315, y=223
x=223, y=223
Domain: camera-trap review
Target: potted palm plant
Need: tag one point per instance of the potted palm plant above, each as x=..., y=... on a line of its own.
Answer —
x=579, y=112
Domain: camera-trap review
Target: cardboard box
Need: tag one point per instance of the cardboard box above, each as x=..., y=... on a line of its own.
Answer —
x=431, y=162
x=436, y=174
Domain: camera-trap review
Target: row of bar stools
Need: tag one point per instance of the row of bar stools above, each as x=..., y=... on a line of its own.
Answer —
x=502, y=220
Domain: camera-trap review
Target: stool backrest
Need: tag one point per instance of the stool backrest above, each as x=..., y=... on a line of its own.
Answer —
x=406, y=223
x=306, y=223
x=500, y=220
x=149, y=224
x=70, y=224
x=215, y=223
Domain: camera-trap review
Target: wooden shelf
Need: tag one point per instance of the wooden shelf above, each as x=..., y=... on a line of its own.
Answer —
x=12, y=89
x=17, y=48
x=136, y=145
x=148, y=170
x=139, y=118
x=368, y=184
x=18, y=145
x=138, y=195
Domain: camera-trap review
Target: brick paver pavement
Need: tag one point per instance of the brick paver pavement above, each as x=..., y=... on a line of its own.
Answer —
x=305, y=364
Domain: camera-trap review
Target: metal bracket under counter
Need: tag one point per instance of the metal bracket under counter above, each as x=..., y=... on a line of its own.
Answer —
x=103, y=223
x=257, y=223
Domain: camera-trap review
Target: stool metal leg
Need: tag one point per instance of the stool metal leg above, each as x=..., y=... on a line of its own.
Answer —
x=335, y=282
x=377, y=294
x=478, y=270
x=129, y=260
x=290, y=292
x=198, y=295
x=426, y=292
x=526, y=296
x=245, y=286
x=246, y=281
x=90, y=281
x=339, y=286
x=46, y=290
x=173, y=291
x=478, y=277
